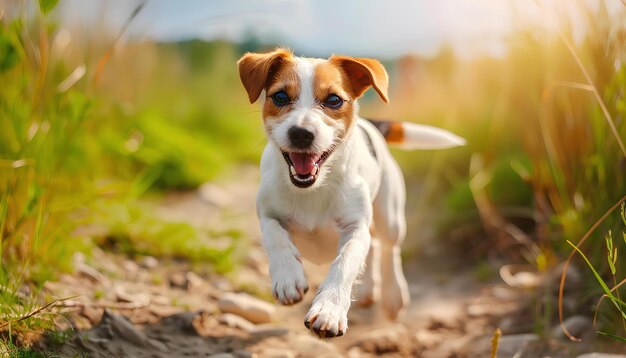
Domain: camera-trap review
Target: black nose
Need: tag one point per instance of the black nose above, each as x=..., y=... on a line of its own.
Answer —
x=300, y=137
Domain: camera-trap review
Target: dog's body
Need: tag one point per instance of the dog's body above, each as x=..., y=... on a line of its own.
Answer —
x=330, y=190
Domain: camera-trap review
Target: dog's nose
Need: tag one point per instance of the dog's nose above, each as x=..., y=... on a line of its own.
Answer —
x=300, y=137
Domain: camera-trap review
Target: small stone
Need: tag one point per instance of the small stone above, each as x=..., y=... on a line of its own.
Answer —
x=123, y=329
x=194, y=282
x=277, y=353
x=235, y=321
x=92, y=274
x=246, y=306
x=307, y=344
x=392, y=339
x=520, y=276
x=178, y=280
x=240, y=353
x=601, y=355
x=491, y=309
x=222, y=355
x=130, y=267
x=149, y=262
x=509, y=345
x=265, y=331
x=428, y=338
x=576, y=325
x=94, y=315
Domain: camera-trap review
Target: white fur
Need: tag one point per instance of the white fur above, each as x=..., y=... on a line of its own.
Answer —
x=420, y=136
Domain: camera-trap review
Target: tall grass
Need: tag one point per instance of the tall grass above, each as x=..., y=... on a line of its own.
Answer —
x=545, y=126
x=38, y=120
x=82, y=139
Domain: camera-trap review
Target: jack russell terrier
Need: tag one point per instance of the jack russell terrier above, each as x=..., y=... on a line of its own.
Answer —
x=330, y=189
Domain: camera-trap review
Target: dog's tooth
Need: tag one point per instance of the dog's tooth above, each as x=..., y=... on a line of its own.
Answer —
x=292, y=170
x=316, y=168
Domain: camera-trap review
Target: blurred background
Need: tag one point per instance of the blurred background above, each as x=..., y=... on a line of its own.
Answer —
x=123, y=122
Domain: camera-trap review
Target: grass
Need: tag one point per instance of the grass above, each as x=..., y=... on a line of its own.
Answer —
x=73, y=153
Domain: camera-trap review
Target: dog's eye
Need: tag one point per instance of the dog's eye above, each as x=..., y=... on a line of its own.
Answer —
x=280, y=98
x=333, y=101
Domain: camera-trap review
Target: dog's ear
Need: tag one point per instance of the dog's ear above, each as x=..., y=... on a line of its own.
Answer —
x=256, y=68
x=363, y=73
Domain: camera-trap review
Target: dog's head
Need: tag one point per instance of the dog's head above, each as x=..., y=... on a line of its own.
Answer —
x=309, y=104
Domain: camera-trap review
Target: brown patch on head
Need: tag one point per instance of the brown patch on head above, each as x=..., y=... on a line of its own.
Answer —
x=257, y=69
x=274, y=71
x=363, y=73
x=329, y=79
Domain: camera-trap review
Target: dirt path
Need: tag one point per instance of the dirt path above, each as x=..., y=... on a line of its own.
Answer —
x=152, y=308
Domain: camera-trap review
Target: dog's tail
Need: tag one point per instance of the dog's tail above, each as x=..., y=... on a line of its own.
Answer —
x=410, y=136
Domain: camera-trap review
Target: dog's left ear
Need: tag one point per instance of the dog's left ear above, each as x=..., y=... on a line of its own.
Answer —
x=363, y=73
x=256, y=68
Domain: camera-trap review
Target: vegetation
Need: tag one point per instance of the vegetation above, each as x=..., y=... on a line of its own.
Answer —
x=88, y=133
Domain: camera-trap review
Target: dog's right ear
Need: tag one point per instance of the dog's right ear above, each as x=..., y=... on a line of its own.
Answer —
x=256, y=68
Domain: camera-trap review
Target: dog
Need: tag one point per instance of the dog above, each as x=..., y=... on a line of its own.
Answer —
x=330, y=189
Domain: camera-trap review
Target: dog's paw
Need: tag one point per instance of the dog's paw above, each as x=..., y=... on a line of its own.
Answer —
x=367, y=293
x=288, y=282
x=327, y=319
x=395, y=297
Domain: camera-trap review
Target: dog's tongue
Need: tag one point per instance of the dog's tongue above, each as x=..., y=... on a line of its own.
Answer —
x=303, y=162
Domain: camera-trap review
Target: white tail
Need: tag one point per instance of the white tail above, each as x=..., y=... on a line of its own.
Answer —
x=420, y=136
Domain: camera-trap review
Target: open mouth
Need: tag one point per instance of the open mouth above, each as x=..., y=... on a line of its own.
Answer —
x=304, y=167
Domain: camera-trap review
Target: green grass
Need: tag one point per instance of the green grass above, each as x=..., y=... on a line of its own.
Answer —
x=611, y=290
x=74, y=153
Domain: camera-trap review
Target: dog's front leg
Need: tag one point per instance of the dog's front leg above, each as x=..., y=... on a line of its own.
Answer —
x=328, y=315
x=288, y=281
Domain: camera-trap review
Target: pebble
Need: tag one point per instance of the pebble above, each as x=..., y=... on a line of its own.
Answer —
x=308, y=344
x=222, y=355
x=265, y=331
x=246, y=306
x=194, y=282
x=240, y=353
x=131, y=268
x=277, y=353
x=235, y=321
x=92, y=274
x=520, y=276
x=601, y=355
x=122, y=328
x=510, y=345
x=149, y=262
x=178, y=280
x=576, y=325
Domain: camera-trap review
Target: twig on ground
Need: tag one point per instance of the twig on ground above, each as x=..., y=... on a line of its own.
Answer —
x=113, y=305
x=35, y=311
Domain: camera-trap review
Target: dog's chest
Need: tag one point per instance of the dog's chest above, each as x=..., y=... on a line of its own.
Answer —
x=309, y=212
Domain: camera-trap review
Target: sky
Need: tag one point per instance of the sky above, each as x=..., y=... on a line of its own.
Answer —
x=382, y=28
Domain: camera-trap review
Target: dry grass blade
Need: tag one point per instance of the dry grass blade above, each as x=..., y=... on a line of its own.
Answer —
x=495, y=341
x=571, y=84
x=594, y=89
x=36, y=311
x=107, y=55
x=568, y=261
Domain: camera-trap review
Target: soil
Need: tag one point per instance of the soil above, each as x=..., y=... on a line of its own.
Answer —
x=149, y=307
